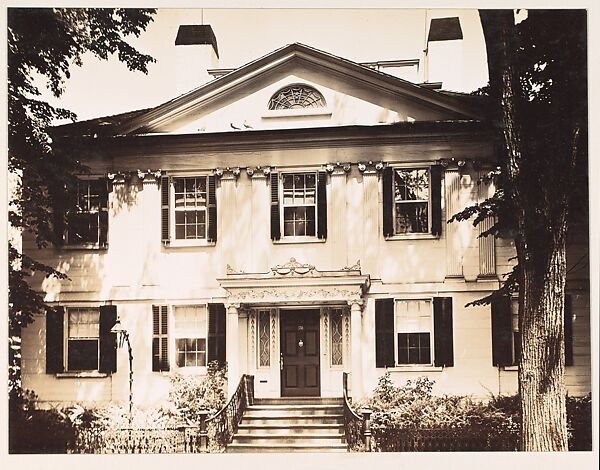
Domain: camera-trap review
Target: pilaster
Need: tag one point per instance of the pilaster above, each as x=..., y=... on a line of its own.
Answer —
x=232, y=348
x=453, y=242
x=356, y=332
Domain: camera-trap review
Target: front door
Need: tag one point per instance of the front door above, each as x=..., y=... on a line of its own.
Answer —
x=300, y=372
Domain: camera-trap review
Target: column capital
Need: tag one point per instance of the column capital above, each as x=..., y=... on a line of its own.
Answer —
x=356, y=304
x=227, y=173
x=232, y=307
x=258, y=171
x=370, y=167
x=149, y=176
x=337, y=168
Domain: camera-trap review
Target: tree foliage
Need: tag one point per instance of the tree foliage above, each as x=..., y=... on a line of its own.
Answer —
x=43, y=45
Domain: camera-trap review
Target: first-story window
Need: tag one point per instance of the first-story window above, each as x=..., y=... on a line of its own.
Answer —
x=83, y=333
x=87, y=220
x=411, y=200
x=190, y=335
x=516, y=334
x=413, y=325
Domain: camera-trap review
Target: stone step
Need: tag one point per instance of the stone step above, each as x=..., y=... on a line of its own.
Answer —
x=290, y=428
x=285, y=419
x=296, y=439
x=239, y=448
x=293, y=410
x=298, y=401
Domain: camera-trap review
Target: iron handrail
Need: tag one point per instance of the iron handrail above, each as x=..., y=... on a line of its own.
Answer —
x=354, y=424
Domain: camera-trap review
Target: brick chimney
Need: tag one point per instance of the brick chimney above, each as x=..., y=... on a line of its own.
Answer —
x=196, y=51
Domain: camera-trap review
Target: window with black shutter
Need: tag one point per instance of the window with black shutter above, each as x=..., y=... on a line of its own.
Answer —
x=503, y=350
x=188, y=209
x=299, y=205
x=160, y=338
x=87, y=219
x=384, y=333
x=108, y=340
x=443, y=332
x=412, y=201
x=55, y=340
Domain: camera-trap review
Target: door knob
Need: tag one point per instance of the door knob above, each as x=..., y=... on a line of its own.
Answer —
x=281, y=361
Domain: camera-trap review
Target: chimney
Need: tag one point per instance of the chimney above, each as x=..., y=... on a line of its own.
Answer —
x=196, y=51
x=444, y=54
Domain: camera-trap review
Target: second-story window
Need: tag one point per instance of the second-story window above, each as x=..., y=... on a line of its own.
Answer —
x=87, y=221
x=190, y=207
x=298, y=205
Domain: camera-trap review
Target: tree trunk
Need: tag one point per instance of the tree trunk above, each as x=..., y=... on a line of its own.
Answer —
x=541, y=251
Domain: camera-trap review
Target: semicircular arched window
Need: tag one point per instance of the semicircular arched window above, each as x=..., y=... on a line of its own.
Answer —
x=296, y=96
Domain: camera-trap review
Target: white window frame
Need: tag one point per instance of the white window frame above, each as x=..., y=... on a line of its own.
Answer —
x=102, y=207
x=282, y=206
x=429, y=201
x=67, y=338
x=431, y=333
x=173, y=211
x=174, y=335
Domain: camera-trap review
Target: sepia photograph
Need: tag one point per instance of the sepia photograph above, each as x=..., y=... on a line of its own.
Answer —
x=298, y=230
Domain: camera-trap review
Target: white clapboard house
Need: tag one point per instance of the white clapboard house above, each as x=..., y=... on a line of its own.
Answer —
x=289, y=218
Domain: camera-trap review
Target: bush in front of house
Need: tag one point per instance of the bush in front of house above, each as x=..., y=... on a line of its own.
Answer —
x=37, y=431
x=410, y=418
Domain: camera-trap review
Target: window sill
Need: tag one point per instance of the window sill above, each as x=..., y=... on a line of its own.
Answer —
x=298, y=240
x=510, y=368
x=85, y=247
x=188, y=244
x=93, y=374
x=415, y=368
x=413, y=236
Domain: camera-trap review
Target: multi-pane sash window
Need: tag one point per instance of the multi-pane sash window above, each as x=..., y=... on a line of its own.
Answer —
x=299, y=204
x=264, y=338
x=413, y=325
x=337, y=336
x=191, y=331
x=190, y=207
x=411, y=201
x=83, y=332
x=516, y=334
x=88, y=219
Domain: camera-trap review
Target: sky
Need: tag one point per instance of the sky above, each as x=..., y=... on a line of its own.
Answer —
x=102, y=88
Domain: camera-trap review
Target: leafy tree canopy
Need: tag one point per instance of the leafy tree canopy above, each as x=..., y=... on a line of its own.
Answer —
x=45, y=43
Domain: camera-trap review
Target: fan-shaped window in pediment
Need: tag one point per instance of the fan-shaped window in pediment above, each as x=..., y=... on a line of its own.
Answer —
x=296, y=96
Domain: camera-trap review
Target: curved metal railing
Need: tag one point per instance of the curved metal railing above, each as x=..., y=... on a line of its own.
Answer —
x=354, y=424
x=225, y=423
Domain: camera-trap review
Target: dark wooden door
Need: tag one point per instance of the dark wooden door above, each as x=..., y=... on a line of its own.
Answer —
x=300, y=355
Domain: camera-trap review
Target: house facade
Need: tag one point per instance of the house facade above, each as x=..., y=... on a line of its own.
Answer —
x=288, y=218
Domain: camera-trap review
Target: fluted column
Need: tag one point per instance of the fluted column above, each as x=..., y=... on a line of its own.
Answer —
x=226, y=216
x=372, y=213
x=487, y=249
x=337, y=227
x=260, y=220
x=356, y=332
x=453, y=241
x=232, y=347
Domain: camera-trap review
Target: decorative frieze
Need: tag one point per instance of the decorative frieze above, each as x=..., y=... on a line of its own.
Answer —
x=370, y=167
x=292, y=267
x=304, y=293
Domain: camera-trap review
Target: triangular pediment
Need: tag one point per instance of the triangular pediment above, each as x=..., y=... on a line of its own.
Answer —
x=353, y=95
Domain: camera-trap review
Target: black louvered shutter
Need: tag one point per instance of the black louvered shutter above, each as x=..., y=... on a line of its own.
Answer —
x=216, y=333
x=164, y=208
x=436, y=200
x=275, y=227
x=568, y=331
x=322, y=205
x=388, y=202
x=442, y=332
x=502, y=335
x=212, y=209
x=160, y=338
x=108, y=340
x=54, y=340
x=103, y=214
x=384, y=333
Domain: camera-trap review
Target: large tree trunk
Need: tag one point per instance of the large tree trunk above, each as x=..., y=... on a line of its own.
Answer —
x=541, y=251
